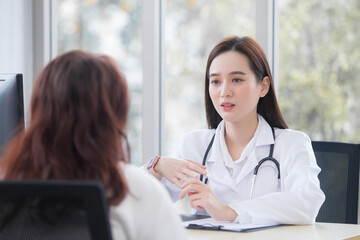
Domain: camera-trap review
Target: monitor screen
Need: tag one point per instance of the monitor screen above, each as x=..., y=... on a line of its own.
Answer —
x=11, y=107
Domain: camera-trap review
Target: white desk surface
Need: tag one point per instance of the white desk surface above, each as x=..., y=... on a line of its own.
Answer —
x=326, y=231
x=308, y=232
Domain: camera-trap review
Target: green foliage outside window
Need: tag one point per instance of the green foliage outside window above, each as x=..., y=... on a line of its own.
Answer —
x=319, y=68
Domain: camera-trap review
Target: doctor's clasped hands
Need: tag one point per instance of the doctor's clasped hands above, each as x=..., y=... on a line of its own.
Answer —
x=184, y=173
x=202, y=197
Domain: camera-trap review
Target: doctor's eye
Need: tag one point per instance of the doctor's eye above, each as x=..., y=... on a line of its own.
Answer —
x=237, y=80
x=214, y=81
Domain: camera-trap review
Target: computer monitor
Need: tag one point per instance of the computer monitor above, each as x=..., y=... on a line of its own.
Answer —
x=11, y=107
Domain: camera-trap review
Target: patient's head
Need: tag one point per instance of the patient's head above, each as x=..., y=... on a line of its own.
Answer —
x=79, y=110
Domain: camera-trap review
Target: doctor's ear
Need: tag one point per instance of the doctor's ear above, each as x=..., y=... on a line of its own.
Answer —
x=265, y=85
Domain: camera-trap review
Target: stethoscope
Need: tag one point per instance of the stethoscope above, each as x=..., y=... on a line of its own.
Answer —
x=269, y=158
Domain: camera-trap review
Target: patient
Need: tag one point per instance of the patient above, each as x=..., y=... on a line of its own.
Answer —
x=79, y=110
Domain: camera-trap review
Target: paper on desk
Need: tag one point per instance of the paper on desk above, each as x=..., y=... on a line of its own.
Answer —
x=227, y=226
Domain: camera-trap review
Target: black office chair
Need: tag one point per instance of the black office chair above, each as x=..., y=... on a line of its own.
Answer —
x=339, y=179
x=53, y=210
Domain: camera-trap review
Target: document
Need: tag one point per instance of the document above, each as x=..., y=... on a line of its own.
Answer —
x=211, y=224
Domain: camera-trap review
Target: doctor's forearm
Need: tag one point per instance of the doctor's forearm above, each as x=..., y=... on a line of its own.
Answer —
x=283, y=207
x=229, y=214
x=223, y=213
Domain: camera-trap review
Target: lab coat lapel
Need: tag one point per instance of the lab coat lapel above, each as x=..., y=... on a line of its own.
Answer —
x=265, y=138
x=248, y=167
x=217, y=170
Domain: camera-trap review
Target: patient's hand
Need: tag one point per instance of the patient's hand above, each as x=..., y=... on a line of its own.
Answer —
x=177, y=170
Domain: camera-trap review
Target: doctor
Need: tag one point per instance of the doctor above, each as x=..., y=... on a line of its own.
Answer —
x=248, y=167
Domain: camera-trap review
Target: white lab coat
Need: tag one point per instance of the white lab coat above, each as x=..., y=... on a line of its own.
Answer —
x=296, y=201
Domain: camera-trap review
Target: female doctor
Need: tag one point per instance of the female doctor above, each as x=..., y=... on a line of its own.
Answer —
x=248, y=167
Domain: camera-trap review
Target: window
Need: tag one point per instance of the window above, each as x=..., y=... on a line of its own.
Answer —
x=192, y=29
x=319, y=68
x=112, y=27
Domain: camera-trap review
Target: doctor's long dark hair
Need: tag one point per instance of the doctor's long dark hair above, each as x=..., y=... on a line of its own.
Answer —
x=79, y=110
x=267, y=106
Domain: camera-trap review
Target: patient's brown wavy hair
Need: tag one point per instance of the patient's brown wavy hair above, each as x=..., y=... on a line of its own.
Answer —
x=79, y=110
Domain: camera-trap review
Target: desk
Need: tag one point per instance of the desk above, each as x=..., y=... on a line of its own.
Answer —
x=308, y=232
x=326, y=231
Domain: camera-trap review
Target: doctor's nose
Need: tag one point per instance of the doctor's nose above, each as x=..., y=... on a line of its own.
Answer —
x=226, y=91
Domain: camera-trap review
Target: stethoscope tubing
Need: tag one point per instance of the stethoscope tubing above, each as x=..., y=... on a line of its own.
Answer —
x=268, y=158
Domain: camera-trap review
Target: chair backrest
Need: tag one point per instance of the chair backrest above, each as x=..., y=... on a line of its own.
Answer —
x=339, y=179
x=53, y=210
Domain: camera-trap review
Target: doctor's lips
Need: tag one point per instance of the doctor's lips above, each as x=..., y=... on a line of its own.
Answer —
x=227, y=106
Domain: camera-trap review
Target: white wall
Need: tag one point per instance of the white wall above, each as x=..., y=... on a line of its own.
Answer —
x=16, y=42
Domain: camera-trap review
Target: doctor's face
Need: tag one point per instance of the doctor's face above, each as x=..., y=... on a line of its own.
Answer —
x=233, y=87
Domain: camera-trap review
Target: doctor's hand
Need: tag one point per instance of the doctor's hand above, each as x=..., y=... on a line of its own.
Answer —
x=202, y=197
x=177, y=170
